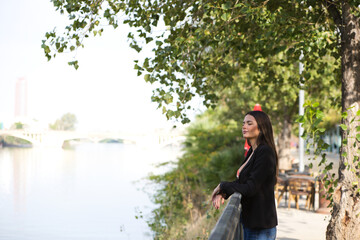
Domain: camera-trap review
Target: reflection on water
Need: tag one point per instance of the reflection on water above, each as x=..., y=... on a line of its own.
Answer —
x=84, y=193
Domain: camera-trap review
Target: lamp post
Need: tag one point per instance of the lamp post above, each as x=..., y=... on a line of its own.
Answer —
x=301, y=112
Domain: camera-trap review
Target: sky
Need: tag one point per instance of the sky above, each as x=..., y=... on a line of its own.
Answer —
x=105, y=93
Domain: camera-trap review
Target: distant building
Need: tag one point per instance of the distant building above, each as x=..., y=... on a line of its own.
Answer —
x=21, y=100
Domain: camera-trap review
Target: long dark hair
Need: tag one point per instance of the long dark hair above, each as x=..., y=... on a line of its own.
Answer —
x=266, y=135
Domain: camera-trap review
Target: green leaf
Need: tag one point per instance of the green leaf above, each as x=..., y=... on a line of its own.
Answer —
x=74, y=64
x=168, y=99
x=107, y=13
x=322, y=130
x=358, y=113
x=316, y=104
x=46, y=49
x=148, y=39
x=301, y=119
x=343, y=127
x=226, y=6
x=146, y=63
x=329, y=167
x=344, y=115
x=147, y=77
x=319, y=114
x=358, y=137
x=226, y=16
x=317, y=122
x=351, y=107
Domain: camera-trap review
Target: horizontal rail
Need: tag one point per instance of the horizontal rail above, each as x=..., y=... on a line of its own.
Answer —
x=228, y=226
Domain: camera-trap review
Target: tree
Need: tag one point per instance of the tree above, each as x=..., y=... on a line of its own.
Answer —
x=18, y=125
x=192, y=51
x=208, y=42
x=280, y=101
x=66, y=123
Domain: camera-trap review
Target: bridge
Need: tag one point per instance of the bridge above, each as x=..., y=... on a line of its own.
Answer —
x=51, y=138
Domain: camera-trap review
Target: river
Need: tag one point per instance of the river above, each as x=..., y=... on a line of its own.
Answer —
x=93, y=191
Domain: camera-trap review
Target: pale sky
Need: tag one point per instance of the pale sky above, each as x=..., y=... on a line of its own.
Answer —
x=104, y=93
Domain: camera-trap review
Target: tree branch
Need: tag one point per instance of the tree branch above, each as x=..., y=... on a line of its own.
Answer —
x=334, y=13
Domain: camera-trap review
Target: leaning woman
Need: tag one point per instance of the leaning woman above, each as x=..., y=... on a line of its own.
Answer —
x=256, y=179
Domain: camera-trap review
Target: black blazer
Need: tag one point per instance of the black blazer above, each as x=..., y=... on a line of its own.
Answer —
x=256, y=185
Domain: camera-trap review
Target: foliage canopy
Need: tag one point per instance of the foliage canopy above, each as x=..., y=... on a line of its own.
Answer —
x=201, y=47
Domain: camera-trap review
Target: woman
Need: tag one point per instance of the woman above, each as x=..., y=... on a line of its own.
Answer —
x=256, y=179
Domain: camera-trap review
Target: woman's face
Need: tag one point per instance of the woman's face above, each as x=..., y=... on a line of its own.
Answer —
x=250, y=128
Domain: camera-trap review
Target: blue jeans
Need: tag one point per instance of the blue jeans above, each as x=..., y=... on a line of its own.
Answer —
x=259, y=234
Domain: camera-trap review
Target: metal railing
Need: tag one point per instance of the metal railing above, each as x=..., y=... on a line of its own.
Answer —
x=228, y=227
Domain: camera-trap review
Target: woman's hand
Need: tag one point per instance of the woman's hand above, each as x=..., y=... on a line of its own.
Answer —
x=217, y=200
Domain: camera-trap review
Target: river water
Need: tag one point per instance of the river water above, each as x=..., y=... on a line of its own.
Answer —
x=93, y=191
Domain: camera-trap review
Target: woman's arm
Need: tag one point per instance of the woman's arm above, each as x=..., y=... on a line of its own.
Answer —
x=264, y=165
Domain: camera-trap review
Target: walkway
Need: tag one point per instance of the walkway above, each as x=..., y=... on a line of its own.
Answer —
x=301, y=224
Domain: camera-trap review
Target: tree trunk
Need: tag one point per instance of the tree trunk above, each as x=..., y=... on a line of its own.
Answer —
x=345, y=220
x=284, y=153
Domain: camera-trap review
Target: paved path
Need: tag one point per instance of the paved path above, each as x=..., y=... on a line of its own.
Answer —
x=301, y=224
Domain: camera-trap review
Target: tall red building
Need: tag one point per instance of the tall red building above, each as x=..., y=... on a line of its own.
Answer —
x=21, y=98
